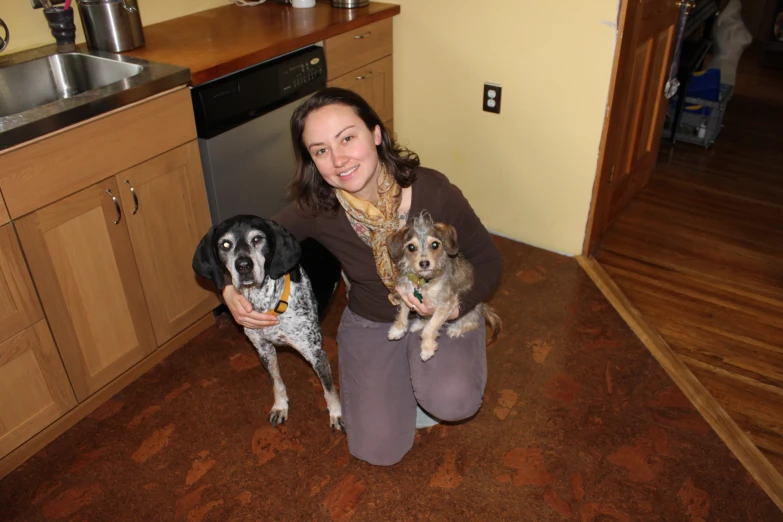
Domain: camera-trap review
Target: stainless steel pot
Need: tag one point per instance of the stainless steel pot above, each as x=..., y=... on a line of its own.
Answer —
x=350, y=4
x=111, y=25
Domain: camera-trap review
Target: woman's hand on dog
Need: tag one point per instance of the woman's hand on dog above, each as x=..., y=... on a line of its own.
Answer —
x=243, y=311
x=425, y=308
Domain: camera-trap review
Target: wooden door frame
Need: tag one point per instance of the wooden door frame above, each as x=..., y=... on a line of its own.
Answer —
x=592, y=232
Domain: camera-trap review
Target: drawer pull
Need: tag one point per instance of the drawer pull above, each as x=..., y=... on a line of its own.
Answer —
x=361, y=36
x=116, y=205
x=135, y=199
x=360, y=78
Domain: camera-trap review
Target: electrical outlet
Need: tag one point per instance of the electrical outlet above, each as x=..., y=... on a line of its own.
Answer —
x=491, y=101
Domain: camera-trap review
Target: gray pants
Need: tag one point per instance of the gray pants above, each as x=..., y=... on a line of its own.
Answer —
x=381, y=381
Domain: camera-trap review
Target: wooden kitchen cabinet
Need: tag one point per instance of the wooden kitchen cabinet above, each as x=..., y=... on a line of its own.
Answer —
x=4, y=217
x=166, y=213
x=34, y=389
x=373, y=82
x=361, y=60
x=19, y=305
x=82, y=261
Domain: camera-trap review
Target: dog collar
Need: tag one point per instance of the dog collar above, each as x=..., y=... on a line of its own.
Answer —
x=282, y=304
x=418, y=282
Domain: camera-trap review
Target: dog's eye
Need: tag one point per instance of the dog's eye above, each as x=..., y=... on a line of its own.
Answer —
x=225, y=245
x=435, y=245
x=411, y=248
x=256, y=240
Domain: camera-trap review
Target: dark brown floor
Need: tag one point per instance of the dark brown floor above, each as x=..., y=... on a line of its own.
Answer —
x=579, y=423
x=699, y=253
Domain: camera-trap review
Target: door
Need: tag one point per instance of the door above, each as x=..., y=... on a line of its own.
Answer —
x=167, y=215
x=82, y=263
x=637, y=108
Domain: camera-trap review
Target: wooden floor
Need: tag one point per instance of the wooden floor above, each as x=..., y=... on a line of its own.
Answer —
x=700, y=253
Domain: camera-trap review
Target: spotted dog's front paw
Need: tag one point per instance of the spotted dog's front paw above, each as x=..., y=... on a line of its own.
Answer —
x=428, y=348
x=396, y=332
x=336, y=422
x=278, y=416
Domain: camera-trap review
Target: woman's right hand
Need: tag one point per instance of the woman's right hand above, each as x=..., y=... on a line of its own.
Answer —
x=243, y=311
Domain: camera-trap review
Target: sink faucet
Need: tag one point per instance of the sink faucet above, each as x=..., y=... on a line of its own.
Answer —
x=5, y=37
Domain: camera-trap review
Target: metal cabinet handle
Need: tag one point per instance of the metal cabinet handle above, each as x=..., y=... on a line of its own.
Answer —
x=135, y=199
x=116, y=205
x=360, y=36
x=359, y=78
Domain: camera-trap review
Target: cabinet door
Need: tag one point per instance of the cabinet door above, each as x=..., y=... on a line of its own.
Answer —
x=374, y=83
x=19, y=306
x=167, y=219
x=34, y=389
x=82, y=263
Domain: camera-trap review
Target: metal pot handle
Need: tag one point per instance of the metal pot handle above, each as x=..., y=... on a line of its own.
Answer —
x=4, y=39
x=130, y=8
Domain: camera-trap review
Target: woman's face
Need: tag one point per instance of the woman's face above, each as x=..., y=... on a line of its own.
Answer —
x=343, y=149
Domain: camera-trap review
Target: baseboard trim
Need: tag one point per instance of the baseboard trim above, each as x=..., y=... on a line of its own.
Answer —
x=21, y=454
x=737, y=440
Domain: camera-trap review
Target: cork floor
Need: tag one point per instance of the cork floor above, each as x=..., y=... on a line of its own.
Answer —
x=579, y=422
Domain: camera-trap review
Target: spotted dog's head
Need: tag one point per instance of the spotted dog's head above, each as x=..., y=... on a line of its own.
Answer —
x=249, y=248
x=423, y=248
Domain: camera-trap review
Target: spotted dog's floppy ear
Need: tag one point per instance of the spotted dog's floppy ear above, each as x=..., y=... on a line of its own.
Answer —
x=448, y=236
x=285, y=250
x=206, y=262
x=395, y=242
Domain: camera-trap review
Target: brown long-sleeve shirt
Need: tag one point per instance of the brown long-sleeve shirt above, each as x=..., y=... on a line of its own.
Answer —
x=432, y=192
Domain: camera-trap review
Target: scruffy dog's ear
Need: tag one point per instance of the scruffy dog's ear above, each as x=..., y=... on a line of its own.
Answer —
x=395, y=242
x=286, y=251
x=448, y=236
x=206, y=262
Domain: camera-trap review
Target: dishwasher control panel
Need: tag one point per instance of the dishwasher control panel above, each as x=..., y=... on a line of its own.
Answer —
x=232, y=100
x=303, y=71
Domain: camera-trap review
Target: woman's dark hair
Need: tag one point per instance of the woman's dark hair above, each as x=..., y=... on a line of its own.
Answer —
x=311, y=193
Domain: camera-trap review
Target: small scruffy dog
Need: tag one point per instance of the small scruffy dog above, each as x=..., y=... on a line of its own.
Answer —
x=428, y=261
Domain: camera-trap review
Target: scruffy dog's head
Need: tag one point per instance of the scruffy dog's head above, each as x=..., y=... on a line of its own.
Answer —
x=424, y=247
x=249, y=248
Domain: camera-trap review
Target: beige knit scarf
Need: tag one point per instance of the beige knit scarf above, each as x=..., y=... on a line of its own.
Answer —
x=374, y=224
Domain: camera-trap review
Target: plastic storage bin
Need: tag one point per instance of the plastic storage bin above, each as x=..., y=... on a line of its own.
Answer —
x=701, y=125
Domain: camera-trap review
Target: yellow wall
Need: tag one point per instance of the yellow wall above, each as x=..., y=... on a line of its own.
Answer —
x=528, y=171
x=29, y=29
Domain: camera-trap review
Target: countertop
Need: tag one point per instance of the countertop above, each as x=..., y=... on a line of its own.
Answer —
x=226, y=39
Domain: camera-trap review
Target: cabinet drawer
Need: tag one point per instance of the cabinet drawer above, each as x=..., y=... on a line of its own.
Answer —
x=34, y=389
x=19, y=305
x=33, y=176
x=374, y=83
x=354, y=49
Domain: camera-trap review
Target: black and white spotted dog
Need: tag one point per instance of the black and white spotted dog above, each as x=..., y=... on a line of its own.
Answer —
x=258, y=253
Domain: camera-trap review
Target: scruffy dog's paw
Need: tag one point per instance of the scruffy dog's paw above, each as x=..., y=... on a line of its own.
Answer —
x=396, y=333
x=417, y=325
x=428, y=347
x=455, y=330
x=278, y=416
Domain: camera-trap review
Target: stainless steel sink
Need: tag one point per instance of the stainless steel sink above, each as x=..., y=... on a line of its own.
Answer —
x=44, y=80
x=42, y=91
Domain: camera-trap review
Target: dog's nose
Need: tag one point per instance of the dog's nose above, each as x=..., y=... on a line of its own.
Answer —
x=424, y=264
x=244, y=265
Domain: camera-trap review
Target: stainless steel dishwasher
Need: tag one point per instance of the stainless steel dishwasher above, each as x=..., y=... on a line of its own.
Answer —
x=244, y=135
